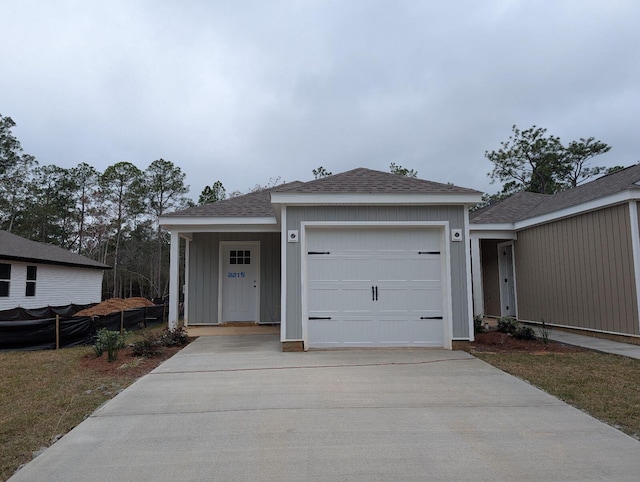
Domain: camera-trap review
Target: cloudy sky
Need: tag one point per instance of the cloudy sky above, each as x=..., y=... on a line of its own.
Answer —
x=243, y=91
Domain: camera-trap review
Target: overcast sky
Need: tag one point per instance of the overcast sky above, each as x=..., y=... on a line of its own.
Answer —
x=243, y=91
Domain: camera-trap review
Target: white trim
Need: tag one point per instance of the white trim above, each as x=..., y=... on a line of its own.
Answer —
x=374, y=198
x=476, y=273
x=448, y=288
x=283, y=276
x=467, y=260
x=618, y=198
x=255, y=260
x=487, y=231
x=205, y=220
x=188, y=229
x=174, y=280
x=635, y=247
x=187, y=255
x=447, y=305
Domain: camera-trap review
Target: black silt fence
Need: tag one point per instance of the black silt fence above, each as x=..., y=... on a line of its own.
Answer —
x=45, y=334
x=17, y=314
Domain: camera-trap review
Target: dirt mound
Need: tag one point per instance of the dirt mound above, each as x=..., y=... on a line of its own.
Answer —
x=114, y=305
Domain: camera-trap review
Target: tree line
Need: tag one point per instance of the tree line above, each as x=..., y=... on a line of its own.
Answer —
x=110, y=216
x=113, y=216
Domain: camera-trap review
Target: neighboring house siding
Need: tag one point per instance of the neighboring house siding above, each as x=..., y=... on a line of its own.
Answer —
x=578, y=272
x=490, y=277
x=453, y=214
x=55, y=286
x=204, y=252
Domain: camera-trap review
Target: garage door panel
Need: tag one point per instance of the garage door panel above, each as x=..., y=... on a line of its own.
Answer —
x=332, y=300
x=404, y=269
x=341, y=268
x=403, y=332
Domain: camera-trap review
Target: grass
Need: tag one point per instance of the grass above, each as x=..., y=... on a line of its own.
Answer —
x=44, y=394
x=605, y=386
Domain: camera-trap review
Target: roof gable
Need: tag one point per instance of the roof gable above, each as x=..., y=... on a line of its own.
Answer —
x=368, y=181
x=16, y=248
x=356, y=182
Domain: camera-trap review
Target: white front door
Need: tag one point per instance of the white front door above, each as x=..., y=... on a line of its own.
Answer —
x=507, y=280
x=239, y=281
x=375, y=287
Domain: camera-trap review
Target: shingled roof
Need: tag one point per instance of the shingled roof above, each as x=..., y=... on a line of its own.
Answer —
x=356, y=181
x=15, y=248
x=524, y=205
x=368, y=181
x=253, y=204
x=508, y=210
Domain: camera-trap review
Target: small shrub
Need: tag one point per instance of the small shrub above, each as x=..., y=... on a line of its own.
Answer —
x=507, y=325
x=175, y=337
x=148, y=346
x=524, y=333
x=478, y=324
x=544, y=332
x=109, y=341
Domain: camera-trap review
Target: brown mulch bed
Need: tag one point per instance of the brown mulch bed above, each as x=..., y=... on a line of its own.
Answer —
x=127, y=365
x=496, y=342
x=115, y=305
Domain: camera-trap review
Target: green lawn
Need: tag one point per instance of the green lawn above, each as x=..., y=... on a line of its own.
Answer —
x=44, y=394
x=605, y=386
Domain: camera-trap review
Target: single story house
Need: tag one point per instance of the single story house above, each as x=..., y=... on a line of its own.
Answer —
x=357, y=259
x=570, y=259
x=36, y=275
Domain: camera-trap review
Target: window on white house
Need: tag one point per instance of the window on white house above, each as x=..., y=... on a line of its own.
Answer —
x=32, y=273
x=5, y=279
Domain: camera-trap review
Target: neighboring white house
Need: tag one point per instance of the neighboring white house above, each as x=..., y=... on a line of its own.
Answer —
x=35, y=275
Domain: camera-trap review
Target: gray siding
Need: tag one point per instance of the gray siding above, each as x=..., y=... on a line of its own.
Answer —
x=203, y=275
x=454, y=214
x=579, y=272
x=490, y=277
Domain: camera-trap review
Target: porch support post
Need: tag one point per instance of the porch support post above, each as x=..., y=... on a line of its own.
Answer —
x=476, y=270
x=174, y=280
x=635, y=247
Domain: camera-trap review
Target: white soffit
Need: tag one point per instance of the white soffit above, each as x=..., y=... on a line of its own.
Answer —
x=167, y=221
x=374, y=198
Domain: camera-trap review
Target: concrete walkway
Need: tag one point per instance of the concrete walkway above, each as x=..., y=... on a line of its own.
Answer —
x=598, y=344
x=237, y=408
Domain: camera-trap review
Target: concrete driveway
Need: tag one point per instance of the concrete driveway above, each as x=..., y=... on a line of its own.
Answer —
x=236, y=408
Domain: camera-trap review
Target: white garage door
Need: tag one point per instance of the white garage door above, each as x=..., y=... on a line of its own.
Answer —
x=374, y=287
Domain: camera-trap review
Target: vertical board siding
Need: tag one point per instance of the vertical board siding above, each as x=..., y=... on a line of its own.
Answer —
x=578, y=272
x=55, y=286
x=490, y=276
x=453, y=214
x=204, y=275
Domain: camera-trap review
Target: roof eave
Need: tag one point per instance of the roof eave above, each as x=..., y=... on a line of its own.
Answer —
x=617, y=198
x=24, y=259
x=211, y=224
x=374, y=198
x=209, y=220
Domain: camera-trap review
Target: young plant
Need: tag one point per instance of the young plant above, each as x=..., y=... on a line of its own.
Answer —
x=109, y=341
x=544, y=332
x=478, y=324
x=524, y=333
x=507, y=325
